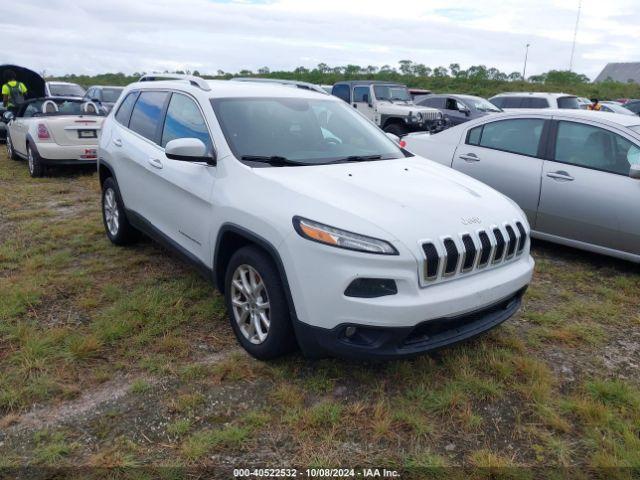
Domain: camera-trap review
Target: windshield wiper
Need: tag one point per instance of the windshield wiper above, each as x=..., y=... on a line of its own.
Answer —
x=358, y=158
x=270, y=159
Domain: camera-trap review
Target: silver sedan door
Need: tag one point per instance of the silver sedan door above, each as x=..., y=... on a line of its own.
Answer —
x=504, y=155
x=587, y=194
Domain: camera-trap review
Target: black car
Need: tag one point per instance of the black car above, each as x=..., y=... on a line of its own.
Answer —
x=103, y=96
x=458, y=109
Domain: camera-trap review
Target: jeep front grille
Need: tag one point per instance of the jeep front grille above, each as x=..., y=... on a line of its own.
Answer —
x=431, y=115
x=471, y=251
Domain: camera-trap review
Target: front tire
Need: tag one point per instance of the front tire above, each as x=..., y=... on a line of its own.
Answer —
x=116, y=224
x=397, y=129
x=257, y=306
x=36, y=169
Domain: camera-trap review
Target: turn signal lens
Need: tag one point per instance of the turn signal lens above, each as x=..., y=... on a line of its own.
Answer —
x=43, y=133
x=336, y=237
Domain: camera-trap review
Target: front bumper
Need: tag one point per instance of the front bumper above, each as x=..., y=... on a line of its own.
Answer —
x=404, y=342
x=431, y=126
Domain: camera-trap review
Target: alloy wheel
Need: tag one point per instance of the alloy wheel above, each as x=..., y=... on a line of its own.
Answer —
x=30, y=160
x=111, y=211
x=250, y=304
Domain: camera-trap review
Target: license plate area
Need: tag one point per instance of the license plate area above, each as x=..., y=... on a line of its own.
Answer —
x=89, y=154
x=87, y=134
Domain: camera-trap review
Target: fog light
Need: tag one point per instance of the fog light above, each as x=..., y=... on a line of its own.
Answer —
x=371, y=288
x=349, y=332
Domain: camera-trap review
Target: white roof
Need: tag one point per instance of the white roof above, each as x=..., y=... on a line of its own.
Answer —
x=604, y=117
x=226, y=88
x=533, y=94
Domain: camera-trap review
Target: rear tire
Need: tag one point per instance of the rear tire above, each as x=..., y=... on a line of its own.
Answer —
x=114, y=218
x=11, y=153
x=36, y=169
x=264, y=332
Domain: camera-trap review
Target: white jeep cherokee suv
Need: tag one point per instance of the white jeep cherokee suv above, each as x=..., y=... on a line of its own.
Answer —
x=317, y=228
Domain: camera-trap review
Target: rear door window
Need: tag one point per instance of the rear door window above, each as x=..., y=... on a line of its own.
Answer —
x=521, y=136
x=568, y=103
x=593, y=147
x=534, y=102
x=146, y=119
x=124, y=111
x=512, y=102
x=435, y=102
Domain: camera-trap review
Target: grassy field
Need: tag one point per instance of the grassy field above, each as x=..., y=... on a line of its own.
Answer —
x=123, y=357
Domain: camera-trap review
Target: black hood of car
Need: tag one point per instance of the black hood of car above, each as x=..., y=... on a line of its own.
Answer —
x=32, y=80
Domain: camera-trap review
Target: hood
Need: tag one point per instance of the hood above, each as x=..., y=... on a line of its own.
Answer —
x=32, y=80
x=410, y=199
x=402, y=108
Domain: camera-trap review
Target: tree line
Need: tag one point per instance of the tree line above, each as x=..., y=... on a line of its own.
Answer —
x=475, y=80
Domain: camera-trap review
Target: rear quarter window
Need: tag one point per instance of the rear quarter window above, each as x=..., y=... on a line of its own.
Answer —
x=126, y=107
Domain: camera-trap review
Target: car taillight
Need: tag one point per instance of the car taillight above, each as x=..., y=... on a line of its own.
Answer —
x=402, y=143
x=43, y=133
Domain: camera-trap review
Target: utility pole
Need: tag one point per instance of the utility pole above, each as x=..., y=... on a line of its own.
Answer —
x=524, y=69
x=575, y=34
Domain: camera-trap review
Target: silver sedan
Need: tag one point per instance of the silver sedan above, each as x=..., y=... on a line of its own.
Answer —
x=575, y=173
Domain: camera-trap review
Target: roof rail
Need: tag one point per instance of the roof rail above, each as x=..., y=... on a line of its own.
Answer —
x=291, y=83
x=192, y=79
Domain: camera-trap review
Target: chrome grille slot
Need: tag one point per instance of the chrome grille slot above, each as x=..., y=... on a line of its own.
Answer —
x=486, y=249
x=523, y=237
x=452, y=256
x=511, y=246
x=469, y=252
x=433, y=261
x=500, y=244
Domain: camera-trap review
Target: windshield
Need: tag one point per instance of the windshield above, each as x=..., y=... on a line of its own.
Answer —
x=614, y=107
x=392, y=92
x=66, y=90
x=481, y=104
x=570, y=103
x=300, y=131
x=111, y=95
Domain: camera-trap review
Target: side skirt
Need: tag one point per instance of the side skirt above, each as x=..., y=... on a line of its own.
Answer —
x=142, y=224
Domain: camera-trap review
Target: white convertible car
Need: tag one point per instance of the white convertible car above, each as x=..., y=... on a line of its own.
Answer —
x=49, y=132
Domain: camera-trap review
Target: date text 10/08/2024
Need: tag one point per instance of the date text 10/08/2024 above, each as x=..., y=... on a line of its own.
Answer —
x=316, y=473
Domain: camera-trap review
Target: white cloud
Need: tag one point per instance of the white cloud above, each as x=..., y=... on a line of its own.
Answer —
x=93, y=36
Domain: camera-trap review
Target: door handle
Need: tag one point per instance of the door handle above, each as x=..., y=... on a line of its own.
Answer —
x=155, y=163
x=117, y=142
x=560, y=176
x=470, y=157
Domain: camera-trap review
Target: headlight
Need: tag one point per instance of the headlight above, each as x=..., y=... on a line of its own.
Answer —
x=416, y=117
x=336, y=237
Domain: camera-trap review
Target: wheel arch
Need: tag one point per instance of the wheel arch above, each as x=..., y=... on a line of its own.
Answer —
x=105, y=171
x=230, y=239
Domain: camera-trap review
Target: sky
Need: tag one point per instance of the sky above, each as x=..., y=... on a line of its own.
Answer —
x=98, y=36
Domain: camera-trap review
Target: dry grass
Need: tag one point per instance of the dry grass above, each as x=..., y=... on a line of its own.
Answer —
x=556, y=386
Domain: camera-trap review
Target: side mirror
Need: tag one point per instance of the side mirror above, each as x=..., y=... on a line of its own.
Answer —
x=8, y=116
x=634, y=171
x=463, y=108
x=188, y=150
